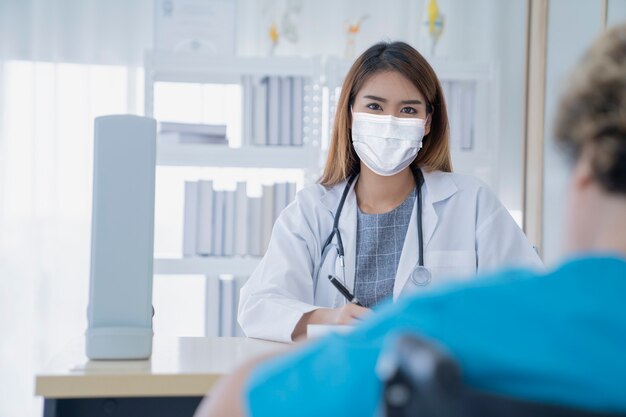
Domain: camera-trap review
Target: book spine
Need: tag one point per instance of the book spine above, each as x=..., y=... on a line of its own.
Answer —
x=273, y=110
x=260, y=112
x=239, y=282
x=218, y=223
x=255, y=215
x=297, y=110
x=241, y=220
x=190, y=223
x=229, y=223
x=280, y=198
x=204, y=236
x=227, y=305
x=212, y=313
x=267, y=216
x=247, y=110
x=285, y=111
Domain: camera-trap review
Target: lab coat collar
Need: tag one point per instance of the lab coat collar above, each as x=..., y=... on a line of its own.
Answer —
x=347, y=227
x=330, y=198
x=438, y=186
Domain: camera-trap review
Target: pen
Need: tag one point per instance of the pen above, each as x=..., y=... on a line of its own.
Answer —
x=343, y=290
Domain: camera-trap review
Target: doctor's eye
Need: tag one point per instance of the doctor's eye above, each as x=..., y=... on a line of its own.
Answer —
x=408, y=110
x=374, y=106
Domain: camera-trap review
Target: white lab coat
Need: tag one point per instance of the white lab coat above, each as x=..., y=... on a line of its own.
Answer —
x=466, y=231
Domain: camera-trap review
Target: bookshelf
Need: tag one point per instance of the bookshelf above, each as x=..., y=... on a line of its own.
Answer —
x=301, y=157
x=208, y=266
x=202, y=69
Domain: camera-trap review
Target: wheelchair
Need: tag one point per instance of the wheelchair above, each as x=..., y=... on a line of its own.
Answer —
x=420, y=380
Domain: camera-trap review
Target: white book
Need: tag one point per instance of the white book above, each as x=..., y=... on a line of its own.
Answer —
x=291, y=192
x=190, y=223
x=212, y=307
x=195, y=138
x=227, y=305
x=260, y=112
x=204, y=236
x=218, y=223
x=297, y=113
x=255, y=214
x=267, y=216
x=285, y=106
x=247, y=110
x=239, y=282
x=316, y=330
x=280, y=198
x=195, y=128
x=241, y=220
x=273, y=110
x=230, y=210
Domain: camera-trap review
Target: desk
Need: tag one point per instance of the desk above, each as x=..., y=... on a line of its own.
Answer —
x=180, y=372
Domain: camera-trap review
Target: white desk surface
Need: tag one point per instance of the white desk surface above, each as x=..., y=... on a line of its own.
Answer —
x=178, y=367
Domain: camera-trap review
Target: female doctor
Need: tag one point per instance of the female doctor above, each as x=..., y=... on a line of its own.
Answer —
x=387, y=217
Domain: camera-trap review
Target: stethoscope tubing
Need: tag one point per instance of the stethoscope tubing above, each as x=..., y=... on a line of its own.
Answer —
x=419, y=181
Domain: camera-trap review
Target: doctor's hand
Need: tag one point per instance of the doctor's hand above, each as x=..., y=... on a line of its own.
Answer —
x=346, y=314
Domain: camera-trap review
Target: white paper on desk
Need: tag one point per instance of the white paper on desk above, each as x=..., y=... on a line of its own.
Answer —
x=317, y=330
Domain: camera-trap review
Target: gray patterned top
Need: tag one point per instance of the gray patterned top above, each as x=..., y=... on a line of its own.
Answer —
x=379, y=242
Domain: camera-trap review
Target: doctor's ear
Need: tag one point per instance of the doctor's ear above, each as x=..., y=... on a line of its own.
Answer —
x=429, y=117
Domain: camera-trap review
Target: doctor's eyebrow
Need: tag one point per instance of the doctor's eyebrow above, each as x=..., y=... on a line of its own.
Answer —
x=384, y=100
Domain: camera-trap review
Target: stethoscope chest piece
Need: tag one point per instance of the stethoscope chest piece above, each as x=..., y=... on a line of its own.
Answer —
x=421, y=276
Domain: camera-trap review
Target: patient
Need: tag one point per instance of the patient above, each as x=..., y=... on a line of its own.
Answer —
x=557, y=337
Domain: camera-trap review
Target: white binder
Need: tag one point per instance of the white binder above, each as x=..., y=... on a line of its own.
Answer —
x=122, y=235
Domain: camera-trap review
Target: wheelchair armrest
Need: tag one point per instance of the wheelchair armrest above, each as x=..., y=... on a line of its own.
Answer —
x=422, y=379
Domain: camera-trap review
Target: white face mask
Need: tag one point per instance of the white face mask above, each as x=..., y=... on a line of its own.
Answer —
x=386, y=144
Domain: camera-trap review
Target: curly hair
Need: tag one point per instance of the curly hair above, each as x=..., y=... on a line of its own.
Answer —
x=591, y=117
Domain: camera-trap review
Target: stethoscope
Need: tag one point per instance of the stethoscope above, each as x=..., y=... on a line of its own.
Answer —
x=420, y=275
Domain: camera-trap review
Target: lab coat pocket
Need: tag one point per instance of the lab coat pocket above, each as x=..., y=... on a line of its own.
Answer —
x=451, y=265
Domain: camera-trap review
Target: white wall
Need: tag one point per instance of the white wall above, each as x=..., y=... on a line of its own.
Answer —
x=616, y=12
x=481, y=30
x=572, y=25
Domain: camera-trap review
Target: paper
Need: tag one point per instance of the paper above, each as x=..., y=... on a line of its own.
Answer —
x=317, y=330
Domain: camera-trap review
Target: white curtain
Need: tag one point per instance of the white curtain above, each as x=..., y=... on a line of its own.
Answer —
x=62, y=63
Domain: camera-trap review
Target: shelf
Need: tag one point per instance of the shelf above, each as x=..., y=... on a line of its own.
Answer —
x=300, y=157
x=446, y=70
x=190, y=67
x=238, y=266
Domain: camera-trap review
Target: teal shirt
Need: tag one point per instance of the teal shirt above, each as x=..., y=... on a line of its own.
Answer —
x=558, y=337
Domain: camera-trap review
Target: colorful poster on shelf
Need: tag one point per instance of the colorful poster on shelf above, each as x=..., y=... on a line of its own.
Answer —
x=202, y=26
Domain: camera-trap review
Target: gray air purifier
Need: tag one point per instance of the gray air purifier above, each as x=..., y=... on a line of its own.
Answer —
x=122, y=235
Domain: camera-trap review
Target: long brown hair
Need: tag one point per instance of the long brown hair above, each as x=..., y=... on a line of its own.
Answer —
x=342, y=159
